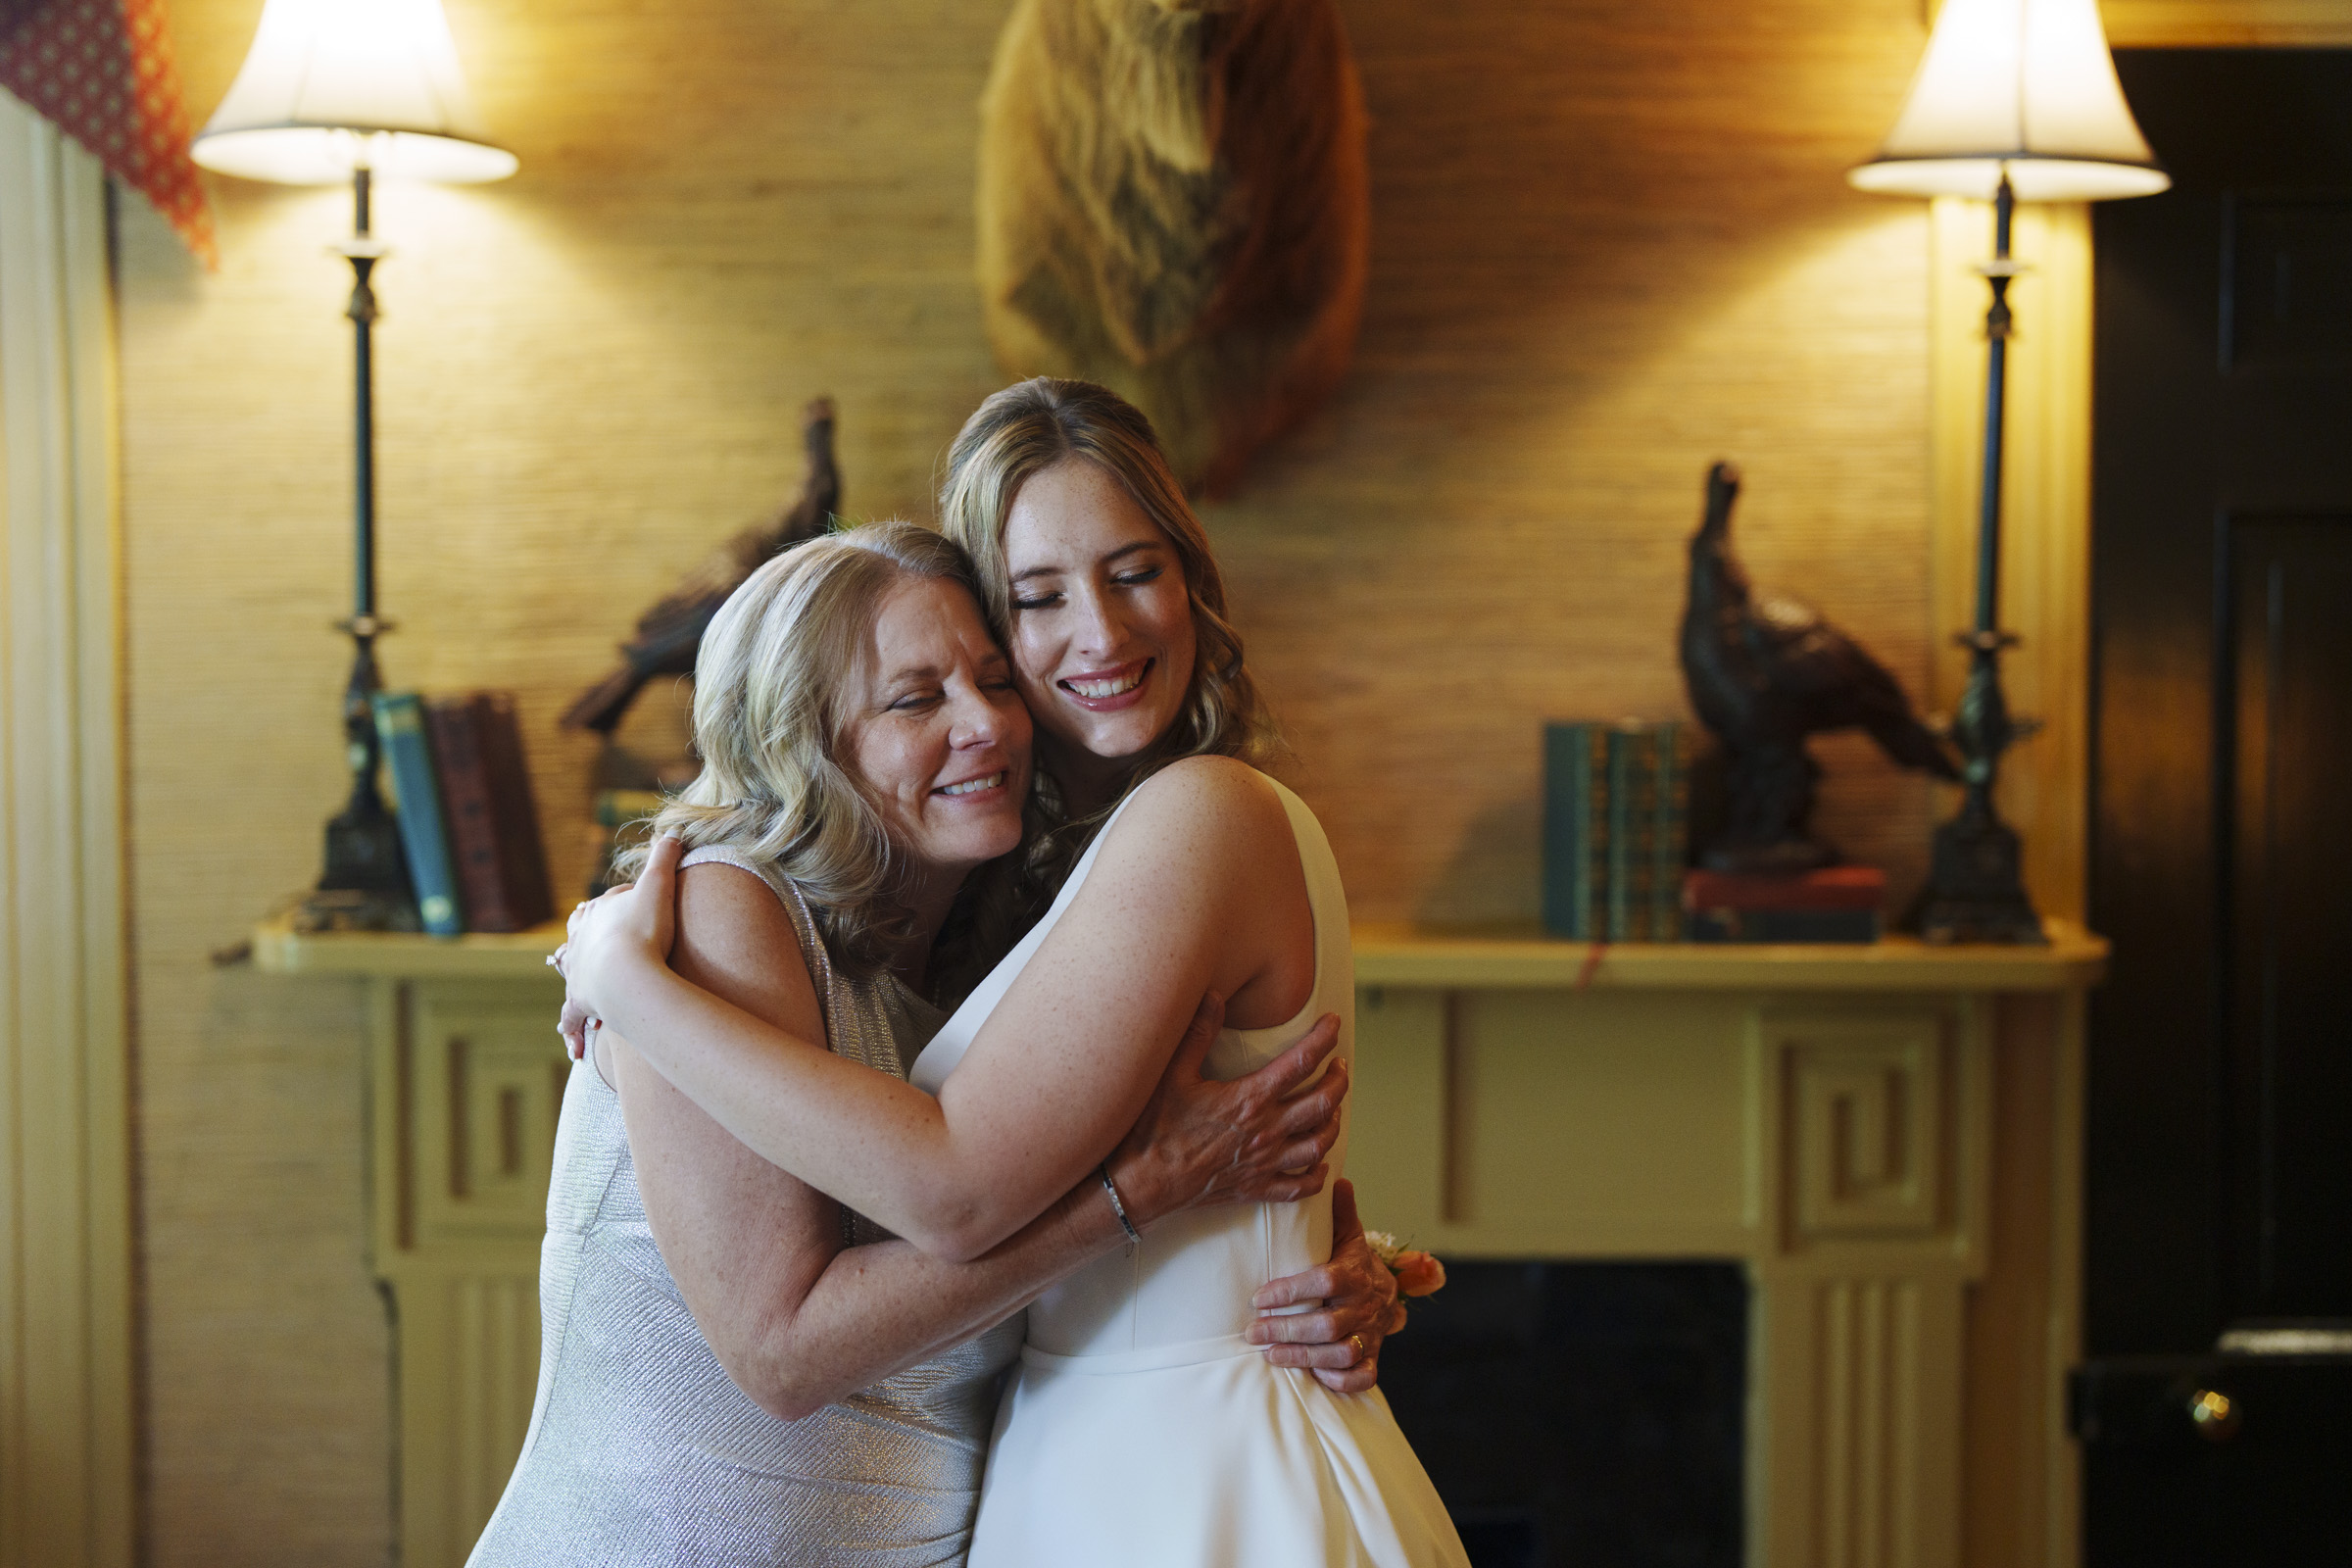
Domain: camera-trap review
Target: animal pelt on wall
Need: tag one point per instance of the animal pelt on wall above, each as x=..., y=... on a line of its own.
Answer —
x=1174, y=202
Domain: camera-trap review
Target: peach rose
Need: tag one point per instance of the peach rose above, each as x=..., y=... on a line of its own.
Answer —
x=1418, y=1273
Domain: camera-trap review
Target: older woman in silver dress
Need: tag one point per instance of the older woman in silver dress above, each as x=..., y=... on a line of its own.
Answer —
x=734, y=1368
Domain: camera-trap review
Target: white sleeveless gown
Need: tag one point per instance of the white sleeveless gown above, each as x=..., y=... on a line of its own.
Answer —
x=1139, y=1430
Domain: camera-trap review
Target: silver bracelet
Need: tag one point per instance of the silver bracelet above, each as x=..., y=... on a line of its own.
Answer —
x=1134, y=1236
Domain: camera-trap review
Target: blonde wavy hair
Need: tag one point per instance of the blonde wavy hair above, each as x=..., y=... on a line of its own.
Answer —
x=772, y=694
x=1019, y=432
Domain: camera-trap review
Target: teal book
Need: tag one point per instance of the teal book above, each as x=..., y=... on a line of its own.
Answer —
x=1575, y=830
x=1669, y=831
x=423, y=829
x=1627, y=875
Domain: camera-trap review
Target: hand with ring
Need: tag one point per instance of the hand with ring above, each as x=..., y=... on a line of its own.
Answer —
x=1354, y=1308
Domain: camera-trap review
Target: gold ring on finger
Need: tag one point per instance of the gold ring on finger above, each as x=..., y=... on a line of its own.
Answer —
x=1357, y=1339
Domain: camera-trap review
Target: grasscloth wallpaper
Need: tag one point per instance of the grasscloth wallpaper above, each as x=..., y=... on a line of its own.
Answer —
x=1611, y=243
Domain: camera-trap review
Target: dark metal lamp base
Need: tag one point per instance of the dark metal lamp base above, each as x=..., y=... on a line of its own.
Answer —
x=365, y=886
x=349, y=909
x=1975, y=892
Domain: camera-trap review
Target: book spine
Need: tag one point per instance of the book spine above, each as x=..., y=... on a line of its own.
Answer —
x=408, y=755
x=1842, y=926
x=1596, y=846
x=1852, y=887
x=514, y=816
x=1668, y=832
x=1625, y=747
x=618, y=808
x=1571, y=818
x=466, y=807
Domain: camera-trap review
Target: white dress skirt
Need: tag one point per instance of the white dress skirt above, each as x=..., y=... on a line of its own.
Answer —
x=1139, y=1428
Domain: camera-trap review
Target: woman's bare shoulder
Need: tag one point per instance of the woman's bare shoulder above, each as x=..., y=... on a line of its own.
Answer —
x=736, y=941
x=1212, y=812
x=1219, y=784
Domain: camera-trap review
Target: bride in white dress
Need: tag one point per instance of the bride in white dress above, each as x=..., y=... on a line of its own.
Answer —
x=1145, y=1425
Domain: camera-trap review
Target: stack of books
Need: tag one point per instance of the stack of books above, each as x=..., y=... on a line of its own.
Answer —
x=468, y=823
x=1616, y=826
x=1838, y=903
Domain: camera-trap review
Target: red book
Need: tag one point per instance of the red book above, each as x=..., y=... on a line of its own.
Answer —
x=1835, y=887
x=493, y=823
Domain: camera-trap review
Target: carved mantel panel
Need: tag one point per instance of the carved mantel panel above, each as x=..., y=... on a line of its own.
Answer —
x=468, y=1081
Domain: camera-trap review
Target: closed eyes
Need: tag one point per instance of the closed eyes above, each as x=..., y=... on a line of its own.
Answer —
x=1125, y=579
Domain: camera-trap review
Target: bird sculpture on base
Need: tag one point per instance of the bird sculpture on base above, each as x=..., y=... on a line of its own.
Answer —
x=670, y=634
x=1764, y=672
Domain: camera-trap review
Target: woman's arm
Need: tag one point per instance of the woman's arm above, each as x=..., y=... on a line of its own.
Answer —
x=797, y=1320
x=1197, y=888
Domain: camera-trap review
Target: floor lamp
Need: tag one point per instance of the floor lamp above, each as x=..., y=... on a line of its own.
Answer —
x=2015, y=100
x=358, y=91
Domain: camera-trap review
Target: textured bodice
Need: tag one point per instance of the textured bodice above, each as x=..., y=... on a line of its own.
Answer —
x=641, y=1450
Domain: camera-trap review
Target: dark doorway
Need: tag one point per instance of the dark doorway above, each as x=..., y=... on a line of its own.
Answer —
x=2220, y=1181
x=1581, y=1415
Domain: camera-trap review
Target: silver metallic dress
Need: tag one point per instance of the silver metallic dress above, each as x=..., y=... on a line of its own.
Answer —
x=641, y=1449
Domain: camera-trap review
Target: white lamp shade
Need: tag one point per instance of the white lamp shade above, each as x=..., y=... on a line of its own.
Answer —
x=333, y=84
x=2022, y=85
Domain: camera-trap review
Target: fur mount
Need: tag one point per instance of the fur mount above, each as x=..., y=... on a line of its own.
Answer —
x=1174, y=203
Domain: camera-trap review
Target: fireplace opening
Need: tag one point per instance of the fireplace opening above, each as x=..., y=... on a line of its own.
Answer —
x=1585, y=1414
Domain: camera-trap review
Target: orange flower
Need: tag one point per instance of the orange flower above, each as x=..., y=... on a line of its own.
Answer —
x=1418, y=1273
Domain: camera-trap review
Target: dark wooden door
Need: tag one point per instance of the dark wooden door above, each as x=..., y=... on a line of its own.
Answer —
x=2220, y=1182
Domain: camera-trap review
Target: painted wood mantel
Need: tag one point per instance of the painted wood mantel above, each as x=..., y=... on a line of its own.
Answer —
x=1888, y=1138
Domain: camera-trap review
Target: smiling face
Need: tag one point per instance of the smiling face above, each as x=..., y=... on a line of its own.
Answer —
x=937, y=734
x=1102, y=636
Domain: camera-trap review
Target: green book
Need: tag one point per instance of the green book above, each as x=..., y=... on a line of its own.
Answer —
x=1628, y=903
x=618, y=808
x=423, y=829
x=616, y=812
x=1669, y=831
x=1575, y=830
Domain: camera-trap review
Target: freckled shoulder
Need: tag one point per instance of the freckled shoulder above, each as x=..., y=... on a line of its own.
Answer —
x=1207, y=808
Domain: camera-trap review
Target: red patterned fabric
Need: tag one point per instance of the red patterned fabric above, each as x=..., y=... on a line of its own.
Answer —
x=102, y=71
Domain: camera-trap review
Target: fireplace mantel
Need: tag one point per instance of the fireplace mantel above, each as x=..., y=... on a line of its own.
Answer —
x=1888, y=1138
x=1519, y=956
x=1502, y=956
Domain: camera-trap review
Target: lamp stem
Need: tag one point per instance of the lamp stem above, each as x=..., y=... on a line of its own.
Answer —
x=362, y=321
x=1997, y=324
x=365, y=884
x=1976, y=888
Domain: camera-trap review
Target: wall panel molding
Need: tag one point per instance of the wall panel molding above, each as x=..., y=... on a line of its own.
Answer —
x=67, y=1421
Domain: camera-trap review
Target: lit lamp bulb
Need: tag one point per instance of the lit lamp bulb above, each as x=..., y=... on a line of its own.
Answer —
x=2025, y=88
x=334, y=85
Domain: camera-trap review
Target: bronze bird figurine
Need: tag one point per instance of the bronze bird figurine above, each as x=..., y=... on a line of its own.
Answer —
x=670, y=634
x=1764, y=672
